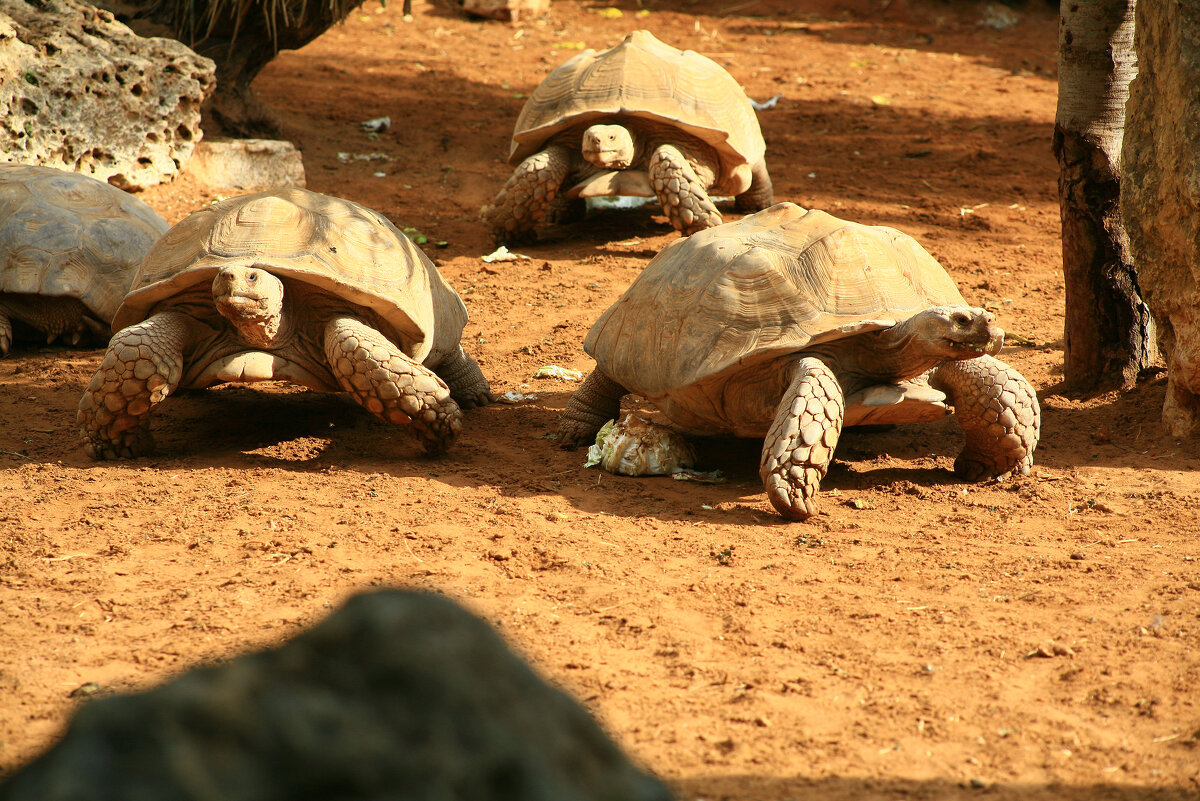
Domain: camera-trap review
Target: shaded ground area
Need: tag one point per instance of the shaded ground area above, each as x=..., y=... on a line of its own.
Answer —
x=921, y=637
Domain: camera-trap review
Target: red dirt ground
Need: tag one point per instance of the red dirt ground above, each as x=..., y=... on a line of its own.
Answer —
x=921, y=637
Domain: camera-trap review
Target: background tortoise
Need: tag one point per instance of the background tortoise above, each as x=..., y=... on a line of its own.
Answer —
x=642, y=118
x=69, y=245
x=291, y=285
x=790, y=324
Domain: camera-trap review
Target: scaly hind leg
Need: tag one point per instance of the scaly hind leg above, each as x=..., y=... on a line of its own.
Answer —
x=467, y=385
x=528, y=194
x=143, y=364
x=54, y=316
x=6, y=334
x=682, y=192
x=597, y=401
x=799, y=445
x=999, y=413
x=389, y=384
x=760, y=195
x=566, y=210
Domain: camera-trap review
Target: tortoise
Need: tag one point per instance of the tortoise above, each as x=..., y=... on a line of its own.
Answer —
x=641, y=118
x=287, y=285
x=69, y=246
x=790, y=324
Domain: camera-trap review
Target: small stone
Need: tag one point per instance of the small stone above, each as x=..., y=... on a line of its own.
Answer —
x=85, y=690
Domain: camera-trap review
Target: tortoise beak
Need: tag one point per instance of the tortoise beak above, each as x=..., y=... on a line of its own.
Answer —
x=975, y=331
x=996, y=342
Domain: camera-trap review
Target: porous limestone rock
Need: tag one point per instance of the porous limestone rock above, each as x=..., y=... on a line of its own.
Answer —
x=399, y=695
x=87, y=95
x=1160, y=195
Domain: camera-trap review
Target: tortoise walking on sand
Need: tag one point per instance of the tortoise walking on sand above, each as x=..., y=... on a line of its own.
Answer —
x=641, y=118
x=69, y=246
x=791, y=324
x=288, y=285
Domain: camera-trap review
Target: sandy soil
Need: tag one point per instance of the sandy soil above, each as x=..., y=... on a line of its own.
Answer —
x=921, y=637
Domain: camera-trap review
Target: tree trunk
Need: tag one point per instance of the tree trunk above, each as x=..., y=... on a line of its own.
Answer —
x=1109, y=334
x=1160, y=195
x=241, y=37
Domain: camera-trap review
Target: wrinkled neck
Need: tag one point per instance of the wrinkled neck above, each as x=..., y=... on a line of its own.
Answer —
x=878, y=357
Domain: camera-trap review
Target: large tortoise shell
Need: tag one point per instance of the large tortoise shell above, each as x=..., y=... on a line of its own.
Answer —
x=68, y=235
x=765, y=286
x=643, y=78
x=346, y=249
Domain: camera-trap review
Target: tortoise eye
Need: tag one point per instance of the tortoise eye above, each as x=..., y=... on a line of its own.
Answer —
x=961, y=319
x=252, y=277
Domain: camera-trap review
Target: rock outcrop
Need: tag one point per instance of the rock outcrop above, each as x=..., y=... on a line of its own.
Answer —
x=1160, y=195
x=399, y=695
x=86, y=94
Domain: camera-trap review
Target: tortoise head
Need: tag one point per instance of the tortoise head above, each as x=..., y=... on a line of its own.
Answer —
x=608, y=146
x=251, y=299
x=957, y=332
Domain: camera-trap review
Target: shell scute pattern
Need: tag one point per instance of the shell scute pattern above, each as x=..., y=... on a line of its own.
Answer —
x=336, y=245
x=770, y=283
x=643, y=77
x=64, y=234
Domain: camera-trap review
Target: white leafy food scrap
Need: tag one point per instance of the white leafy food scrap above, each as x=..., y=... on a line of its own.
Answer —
x=502, y=253
x=637, y=447
x=562, y=373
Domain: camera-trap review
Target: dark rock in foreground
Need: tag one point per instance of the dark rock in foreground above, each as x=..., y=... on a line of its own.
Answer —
x=398, y=695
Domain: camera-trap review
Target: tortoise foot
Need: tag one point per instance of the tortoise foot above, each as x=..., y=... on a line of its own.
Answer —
x=527, y=196
x=390, y=385
x=999, y=414
x=467, y=384
x=800, y=443
x=683, y=195
x=125, y=445
x=597, y=401
x=142, y=366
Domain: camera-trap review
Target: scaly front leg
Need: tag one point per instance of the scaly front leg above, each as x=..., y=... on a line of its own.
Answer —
x=800, y=443
x=389, y=384
x=528, y=194
x=143, y=364
x=681, y=191
x=999, y=413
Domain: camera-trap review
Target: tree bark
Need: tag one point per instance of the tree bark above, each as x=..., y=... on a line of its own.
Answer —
x=241, y=37
x=1160, y=195
x=1109, y=333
